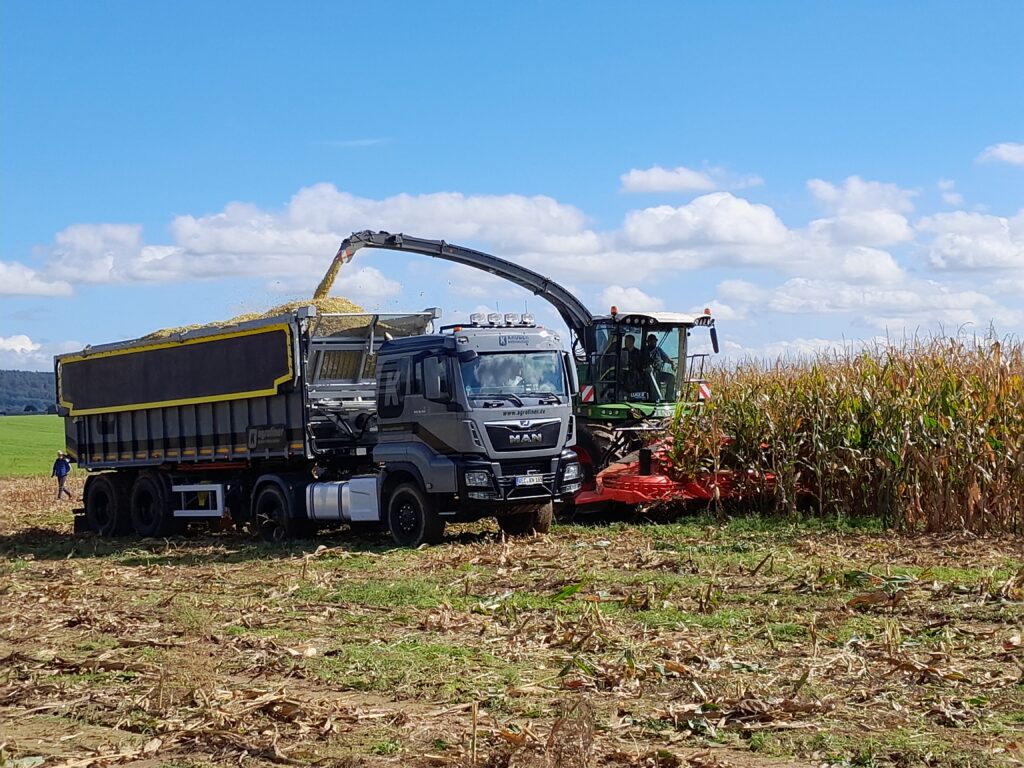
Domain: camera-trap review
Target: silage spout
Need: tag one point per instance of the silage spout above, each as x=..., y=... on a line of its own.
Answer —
x=343, y=256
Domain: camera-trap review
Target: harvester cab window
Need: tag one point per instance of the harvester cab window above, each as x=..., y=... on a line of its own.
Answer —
x=637, y=363
x=661, y=355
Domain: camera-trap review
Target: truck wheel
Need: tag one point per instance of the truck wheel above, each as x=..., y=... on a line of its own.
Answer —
x=272, y=519
x=412, y=519
x=151, y=512
x=104, y=506
x=538, y=520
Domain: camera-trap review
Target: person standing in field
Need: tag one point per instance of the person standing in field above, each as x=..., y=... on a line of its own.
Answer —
x=61, y=470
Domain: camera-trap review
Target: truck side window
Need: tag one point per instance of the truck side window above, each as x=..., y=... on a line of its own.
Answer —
x=435, y=379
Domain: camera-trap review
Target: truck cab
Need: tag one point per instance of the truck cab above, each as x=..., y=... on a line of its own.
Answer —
x=480, y=418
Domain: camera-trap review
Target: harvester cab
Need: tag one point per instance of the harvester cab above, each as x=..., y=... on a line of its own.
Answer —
x=638, y=364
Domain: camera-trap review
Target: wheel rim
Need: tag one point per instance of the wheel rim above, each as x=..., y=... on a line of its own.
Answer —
x=407, y=517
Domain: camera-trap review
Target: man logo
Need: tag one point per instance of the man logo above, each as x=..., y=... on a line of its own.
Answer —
x=527, y=438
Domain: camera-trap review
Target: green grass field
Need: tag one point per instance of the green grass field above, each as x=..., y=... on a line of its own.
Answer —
x=28, y=444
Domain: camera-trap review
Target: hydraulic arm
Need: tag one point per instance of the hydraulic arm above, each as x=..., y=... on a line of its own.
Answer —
x=573, y=311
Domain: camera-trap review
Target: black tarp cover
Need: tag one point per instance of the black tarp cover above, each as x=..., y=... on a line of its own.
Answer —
x=235, y=364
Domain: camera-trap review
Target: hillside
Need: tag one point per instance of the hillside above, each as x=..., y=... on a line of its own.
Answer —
x=19, y=389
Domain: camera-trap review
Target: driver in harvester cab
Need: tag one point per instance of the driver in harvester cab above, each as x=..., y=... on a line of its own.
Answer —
x=654, y=359
x=630, y=364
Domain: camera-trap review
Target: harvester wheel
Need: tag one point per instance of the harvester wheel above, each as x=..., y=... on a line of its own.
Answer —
x=537, y=520
x=412, y=519
x=150, y=508
x=592, y=444
x=105, y=506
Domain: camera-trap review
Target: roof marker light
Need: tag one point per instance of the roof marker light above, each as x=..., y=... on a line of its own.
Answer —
x=477, y=318
x=493, y=318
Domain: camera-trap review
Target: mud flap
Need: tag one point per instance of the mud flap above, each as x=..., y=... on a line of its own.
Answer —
x=81, y=525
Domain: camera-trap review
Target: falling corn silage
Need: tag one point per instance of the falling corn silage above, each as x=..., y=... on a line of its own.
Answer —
x=324, y=304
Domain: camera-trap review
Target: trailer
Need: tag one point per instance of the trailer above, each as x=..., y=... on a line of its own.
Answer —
x=303, y=420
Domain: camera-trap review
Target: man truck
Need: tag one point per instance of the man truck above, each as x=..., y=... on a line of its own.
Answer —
x=305, y=419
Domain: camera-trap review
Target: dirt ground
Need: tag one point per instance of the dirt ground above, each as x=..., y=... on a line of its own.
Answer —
x=682, y=644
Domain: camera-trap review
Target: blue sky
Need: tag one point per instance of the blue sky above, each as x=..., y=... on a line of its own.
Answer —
x=816, y=172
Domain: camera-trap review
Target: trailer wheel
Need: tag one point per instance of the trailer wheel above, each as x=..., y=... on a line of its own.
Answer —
x=104, y=506
x=537, y=520
x=412, y=518
x=151, y=512
x=273, y=517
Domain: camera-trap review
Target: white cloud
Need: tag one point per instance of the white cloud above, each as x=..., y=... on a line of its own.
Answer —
x=925, y=304
x=19, y=345
x=823, y=296
x=1006, y=152
x=16, y=279
x=868, y=213
x=243, y=239
x=796, y=349
x=857, y=195
x=658, y=179
x=949, y=194
x=965, y=240
x=879, y=227
x=1011, y=286
x=629, y=299
x=683, y=179
x=716, y=218
x=19, y=352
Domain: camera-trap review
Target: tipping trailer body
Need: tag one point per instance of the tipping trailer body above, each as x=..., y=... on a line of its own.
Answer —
x=205, y=396
x=303, y=419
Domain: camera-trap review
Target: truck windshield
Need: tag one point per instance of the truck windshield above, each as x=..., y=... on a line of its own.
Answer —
x=520, y=374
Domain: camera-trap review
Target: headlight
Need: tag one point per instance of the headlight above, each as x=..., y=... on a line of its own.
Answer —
x=478, y=479
x=573, y=471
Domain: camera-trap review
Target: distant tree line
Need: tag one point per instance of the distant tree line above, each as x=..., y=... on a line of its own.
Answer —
x=26, y=392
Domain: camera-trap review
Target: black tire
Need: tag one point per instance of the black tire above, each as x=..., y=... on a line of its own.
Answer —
x=272, y=515
x=150, y=508
x=412, y=519
x=537, y=520
x=106, y=508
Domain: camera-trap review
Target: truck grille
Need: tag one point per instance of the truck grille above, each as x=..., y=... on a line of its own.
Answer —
x=514, y=436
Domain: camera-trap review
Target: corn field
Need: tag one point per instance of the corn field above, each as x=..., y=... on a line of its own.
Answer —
x=926, y=435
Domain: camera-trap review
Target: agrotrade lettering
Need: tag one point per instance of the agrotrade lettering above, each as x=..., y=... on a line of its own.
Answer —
x=526, y=412
x=513, y=338
x=267, y=438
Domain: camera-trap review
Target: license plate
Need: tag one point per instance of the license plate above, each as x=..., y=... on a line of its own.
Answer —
x=529, y=480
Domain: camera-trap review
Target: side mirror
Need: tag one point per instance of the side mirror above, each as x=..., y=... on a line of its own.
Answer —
x=570, y=371
x=714, y=339
x=435, y=382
